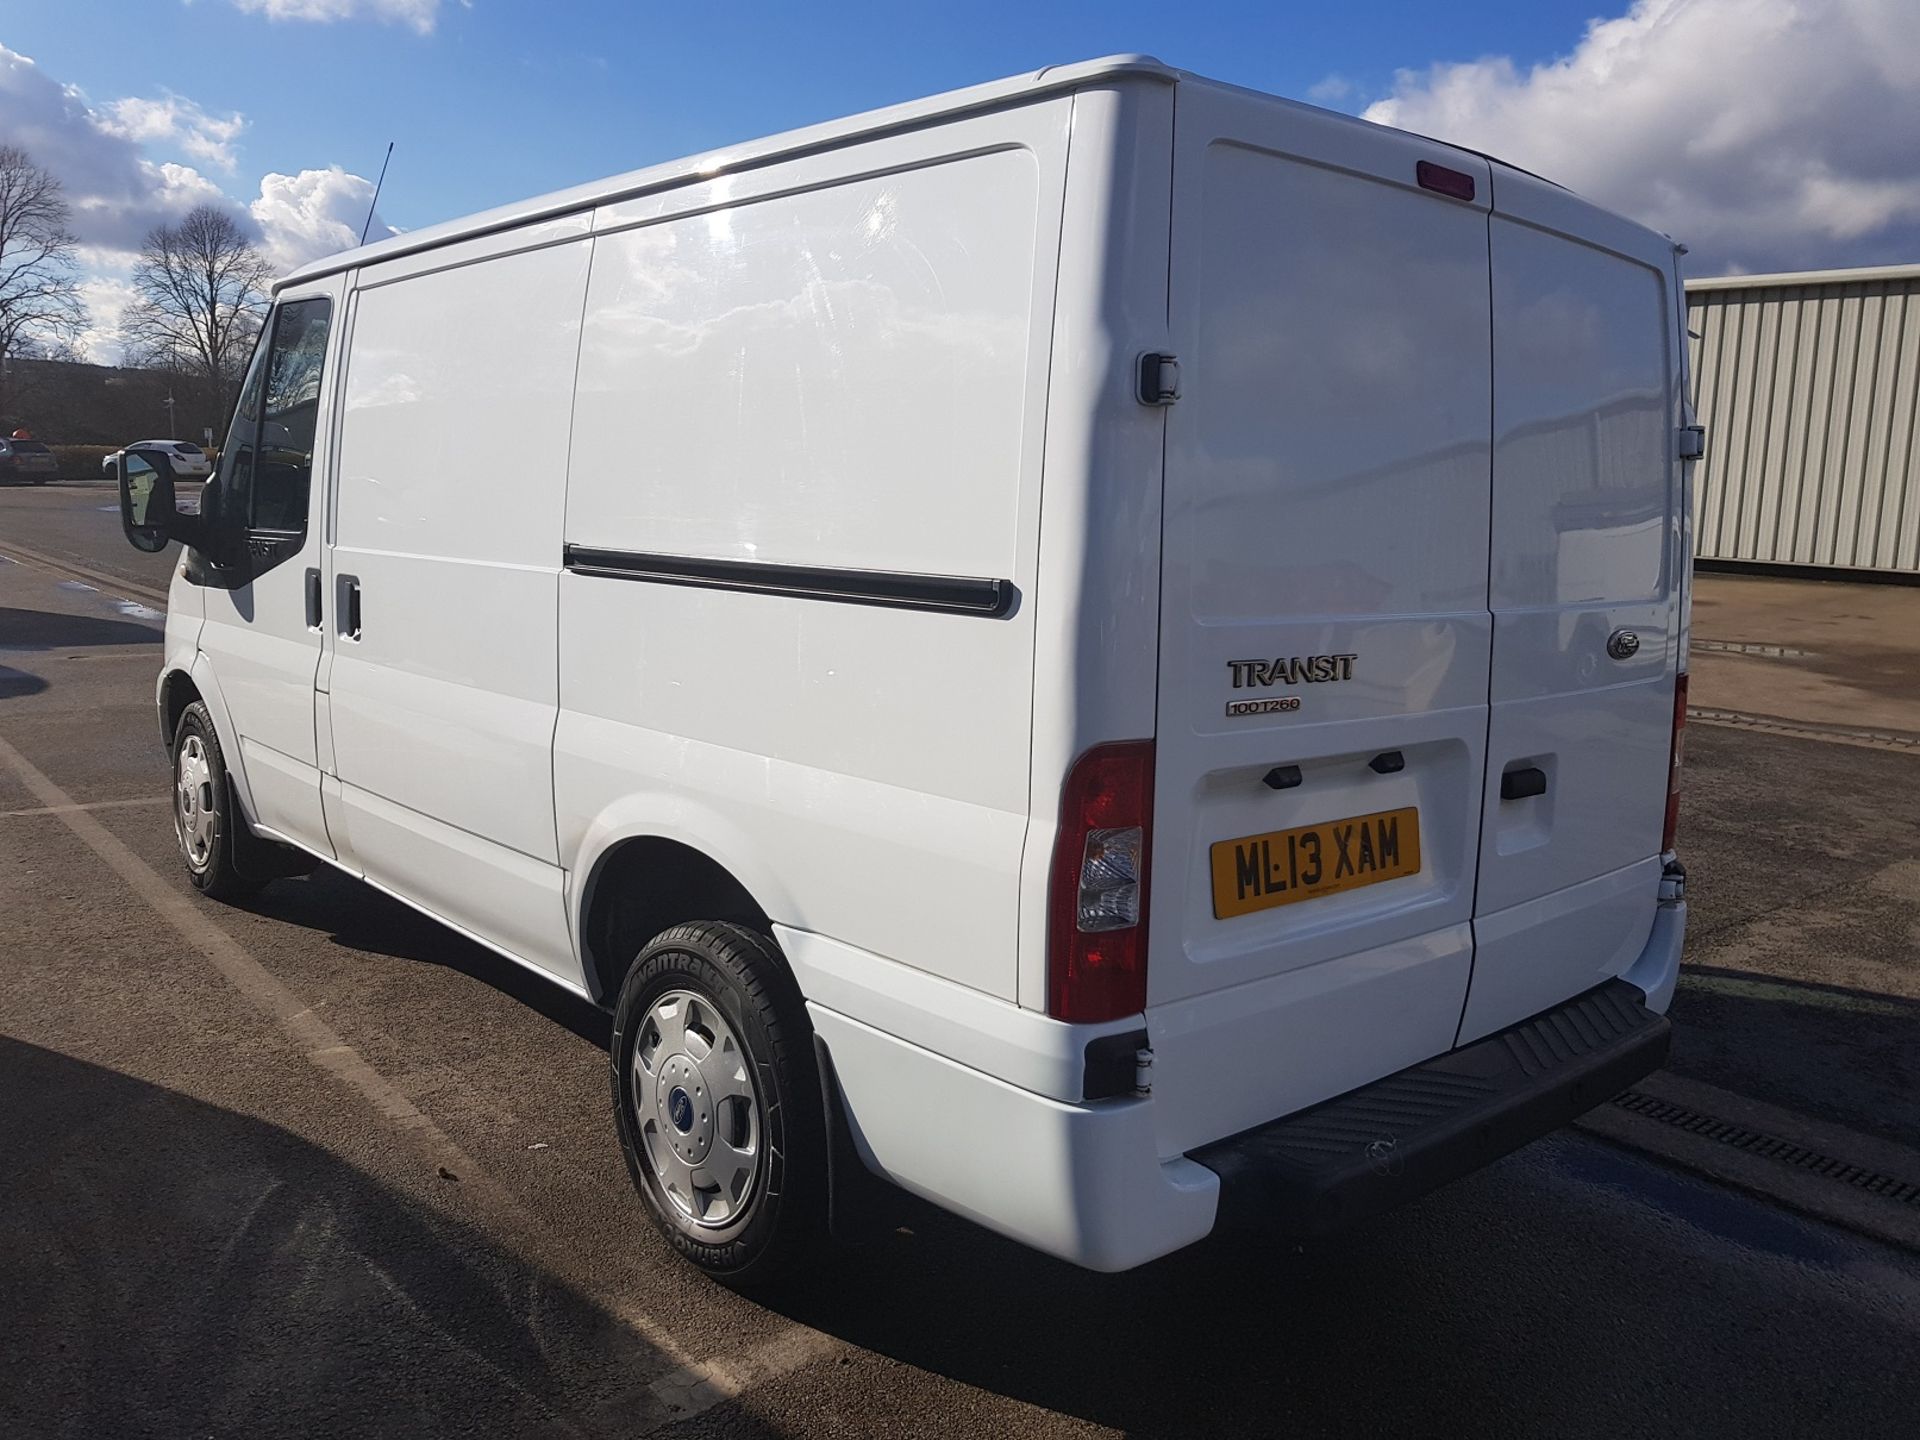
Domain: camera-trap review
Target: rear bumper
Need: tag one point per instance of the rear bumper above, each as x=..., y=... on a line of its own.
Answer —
x=1088, y=1182
x=1377, y=1147
x=1082, y=1182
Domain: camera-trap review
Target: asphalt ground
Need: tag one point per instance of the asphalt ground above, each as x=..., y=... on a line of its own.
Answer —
x=320, y=1165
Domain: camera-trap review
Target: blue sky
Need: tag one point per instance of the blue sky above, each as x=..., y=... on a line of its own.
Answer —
x=511, y=97
x=1768, y=133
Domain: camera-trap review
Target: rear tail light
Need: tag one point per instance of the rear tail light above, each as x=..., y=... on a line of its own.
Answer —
x=1097, y=904
x=1673, y=762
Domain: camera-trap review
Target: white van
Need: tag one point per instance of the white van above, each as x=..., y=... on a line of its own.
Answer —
x=1104, y=648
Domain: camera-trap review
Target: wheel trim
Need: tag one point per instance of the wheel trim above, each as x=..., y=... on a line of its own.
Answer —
x=699, y=1118
x=194, y=811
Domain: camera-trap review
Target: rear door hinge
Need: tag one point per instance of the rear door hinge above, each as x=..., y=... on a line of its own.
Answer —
x=1157, y=380
x=1693, y=441
x=1143, y=1071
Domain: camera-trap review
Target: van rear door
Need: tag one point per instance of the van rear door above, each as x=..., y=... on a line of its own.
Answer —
x=1325, y=635
x=1587, y=572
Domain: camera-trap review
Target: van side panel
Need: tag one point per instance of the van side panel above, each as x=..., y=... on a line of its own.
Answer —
x=1096, y=647
x=845, y=375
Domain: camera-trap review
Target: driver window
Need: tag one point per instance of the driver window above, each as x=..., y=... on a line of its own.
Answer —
x=229, y=494
x=289, y=416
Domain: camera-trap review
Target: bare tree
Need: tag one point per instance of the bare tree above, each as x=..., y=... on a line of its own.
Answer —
x=201, y=290
x=39, y=301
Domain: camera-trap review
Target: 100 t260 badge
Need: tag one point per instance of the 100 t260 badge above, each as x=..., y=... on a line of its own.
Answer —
x=1272, y=705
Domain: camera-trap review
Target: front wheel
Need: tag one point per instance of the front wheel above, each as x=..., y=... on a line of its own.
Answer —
x=204, y=818
x=718, y=1103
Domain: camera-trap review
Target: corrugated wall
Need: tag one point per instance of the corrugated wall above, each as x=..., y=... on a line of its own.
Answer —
x=1809, y=393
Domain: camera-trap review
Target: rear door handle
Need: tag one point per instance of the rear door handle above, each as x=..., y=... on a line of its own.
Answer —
x=1519, y=784
x=313, y=598
x=347, y=608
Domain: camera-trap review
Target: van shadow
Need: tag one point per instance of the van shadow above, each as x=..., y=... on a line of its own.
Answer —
x=1843, y=1054
x=52, y=630
x=1515, y=1302
x=354, y=914
x=175, y=1268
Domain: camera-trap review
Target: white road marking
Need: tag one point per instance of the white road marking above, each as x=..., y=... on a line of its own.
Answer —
x=114, y=585
x=89, y=805
x=691, y=1387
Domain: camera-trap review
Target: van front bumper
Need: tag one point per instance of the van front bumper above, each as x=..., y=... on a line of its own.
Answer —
x=1365, y=1152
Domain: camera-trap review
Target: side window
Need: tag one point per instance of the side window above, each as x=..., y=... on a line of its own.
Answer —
x=289, y=416
x=229, y=496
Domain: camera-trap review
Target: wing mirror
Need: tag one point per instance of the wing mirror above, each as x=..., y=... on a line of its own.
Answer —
x=148, y=511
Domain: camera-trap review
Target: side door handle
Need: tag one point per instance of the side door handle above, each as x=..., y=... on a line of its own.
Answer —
x=347, y=606
x=313, y=597
x=1519, y=784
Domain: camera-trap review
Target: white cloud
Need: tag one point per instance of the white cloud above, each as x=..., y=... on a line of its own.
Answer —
x=176, y=118
x=314, y=213
x=420, y=14
x=1766, y=134
x=106, y=298
x=116, y=192
x=1330, y=90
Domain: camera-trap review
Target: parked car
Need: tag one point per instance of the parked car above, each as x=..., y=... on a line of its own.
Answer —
x=187, y=458
x=1263, y=820
x=28, y=461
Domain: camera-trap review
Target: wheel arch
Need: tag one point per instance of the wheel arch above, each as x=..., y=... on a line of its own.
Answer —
x=177, y=691
x=642, y=880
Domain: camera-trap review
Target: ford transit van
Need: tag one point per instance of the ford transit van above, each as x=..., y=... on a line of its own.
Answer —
x=1104, y=649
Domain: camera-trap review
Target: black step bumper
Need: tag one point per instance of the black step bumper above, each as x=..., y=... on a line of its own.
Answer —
x=1364, y=1152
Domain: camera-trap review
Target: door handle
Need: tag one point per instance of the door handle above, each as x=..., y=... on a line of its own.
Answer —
x=348, y=606
x=1521, y=783
x=313, y=598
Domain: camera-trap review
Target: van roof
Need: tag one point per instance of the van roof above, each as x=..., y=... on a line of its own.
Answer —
x=734, y=158
x=752, y=154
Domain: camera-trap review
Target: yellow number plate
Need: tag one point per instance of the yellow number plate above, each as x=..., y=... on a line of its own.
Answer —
x=1258, y=872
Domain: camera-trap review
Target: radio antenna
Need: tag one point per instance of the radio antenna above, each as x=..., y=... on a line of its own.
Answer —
x=376, y=193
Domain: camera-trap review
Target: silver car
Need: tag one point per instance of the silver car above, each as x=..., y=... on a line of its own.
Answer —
x=189, y=460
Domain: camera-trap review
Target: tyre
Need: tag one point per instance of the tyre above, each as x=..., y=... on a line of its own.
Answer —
x=718, y=1102
x=203, y=813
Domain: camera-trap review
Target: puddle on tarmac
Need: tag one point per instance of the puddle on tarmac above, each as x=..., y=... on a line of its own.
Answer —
x=1717, y=1211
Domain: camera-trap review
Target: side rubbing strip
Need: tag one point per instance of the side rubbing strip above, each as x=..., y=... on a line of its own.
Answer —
x=956, y=594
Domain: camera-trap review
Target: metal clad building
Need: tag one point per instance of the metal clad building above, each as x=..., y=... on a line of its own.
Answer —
x=1808, y=385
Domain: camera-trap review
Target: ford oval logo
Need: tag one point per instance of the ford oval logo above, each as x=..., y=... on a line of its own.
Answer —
x=680, y=1109
x=1623, y=644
